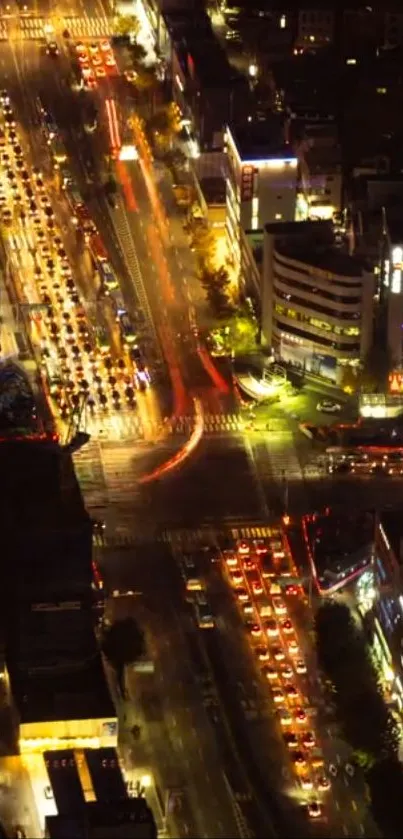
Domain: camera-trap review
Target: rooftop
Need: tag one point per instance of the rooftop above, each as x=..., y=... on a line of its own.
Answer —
x=312, y=243
x=38, y=487
x=132, y=819
x=213, y=190
x=56, y=633
x=77, y=693
x=260, y=140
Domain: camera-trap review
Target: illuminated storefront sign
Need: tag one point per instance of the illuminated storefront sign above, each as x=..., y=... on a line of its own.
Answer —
x=247, y=183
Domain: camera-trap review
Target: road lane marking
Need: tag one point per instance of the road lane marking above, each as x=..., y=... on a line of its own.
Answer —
x=345, y=829
x=337, y=804
x=354, y=805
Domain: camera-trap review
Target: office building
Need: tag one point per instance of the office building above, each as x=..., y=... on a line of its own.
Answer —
x=317, y=301
x=261, y=180
x=315, y=28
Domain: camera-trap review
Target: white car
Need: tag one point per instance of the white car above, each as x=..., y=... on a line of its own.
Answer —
x=328, y=406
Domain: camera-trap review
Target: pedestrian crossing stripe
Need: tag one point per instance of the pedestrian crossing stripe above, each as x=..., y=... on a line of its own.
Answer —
x=78, y=27
x=211, y=534
x=212, y=423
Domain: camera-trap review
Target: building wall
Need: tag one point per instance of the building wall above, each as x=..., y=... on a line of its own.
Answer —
x=68, y=734
x=314, y=317
x=315, y=28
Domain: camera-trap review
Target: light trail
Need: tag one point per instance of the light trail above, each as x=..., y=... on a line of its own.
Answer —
x=211, y=369
x=113, y=126
x=126, y=184
x=184, y=452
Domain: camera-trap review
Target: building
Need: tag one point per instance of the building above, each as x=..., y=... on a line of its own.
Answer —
x=315, y=28
x=319, y=156
x=317, y=301
x=261, y=180
x=207, y=88
x=88, y=798
x=379, y=596
x=340, y=547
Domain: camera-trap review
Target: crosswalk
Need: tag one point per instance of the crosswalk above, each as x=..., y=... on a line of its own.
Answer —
x=284, y=461
x=90, y=475
x=116, y=426
x=213, y=424
x=210, y=534
x=37, y=28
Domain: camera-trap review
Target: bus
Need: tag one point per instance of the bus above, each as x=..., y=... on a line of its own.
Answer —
x=127, y=328
x=108, y=276
x=204, y=614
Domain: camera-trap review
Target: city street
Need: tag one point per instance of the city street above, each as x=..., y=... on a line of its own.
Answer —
x=207, y=723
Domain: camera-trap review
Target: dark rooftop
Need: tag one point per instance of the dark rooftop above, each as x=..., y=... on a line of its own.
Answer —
x=38, y=487
x=76, y=693
x=311, y=242
x=259, y=140
x=56, y=634
x=214, y=190
x=132, y=819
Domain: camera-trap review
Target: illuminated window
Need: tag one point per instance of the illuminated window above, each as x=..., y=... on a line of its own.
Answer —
x=283, y=22
x=382, y=90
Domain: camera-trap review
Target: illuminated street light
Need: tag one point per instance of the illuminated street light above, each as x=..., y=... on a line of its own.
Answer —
x=253, y=70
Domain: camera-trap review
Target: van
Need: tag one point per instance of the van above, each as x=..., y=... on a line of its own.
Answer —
x=264, y=608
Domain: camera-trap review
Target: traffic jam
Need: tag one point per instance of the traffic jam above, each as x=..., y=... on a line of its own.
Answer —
x=76, y=366
x=253, y=569
x=96, y=61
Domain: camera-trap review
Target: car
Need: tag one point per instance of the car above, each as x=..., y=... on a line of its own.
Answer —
x=96, y=61
x=293, y=647
x=255, y=630
x=7, y=217
x=90, y=82
x=277, y=653
x=236, y=578
x=270, y=673
x=100, y=72
x=241, y=594
x=81, y=48
x=243, y=547
x=309, y=740
x=257, y=588
x=287, y=671
x=285, y=717
x=105, y=45
x=248, y=608
x=291, y=692
x=278, y=696
x=292, y=590
x=110, y=61
x=300, y=716
x=4, y=97
x=328, y=406
x=306, y=782
x=262, y=653
x=271, y=627
x=249, y=564
x=93, y=48
x=279, y=606
x=300, y=667
x=52, y=49
x=314, y=810
x=290, y=739
x=83, y=60
x=299, y=759
x=260, y=547
x=323, y=783
x=287, y=627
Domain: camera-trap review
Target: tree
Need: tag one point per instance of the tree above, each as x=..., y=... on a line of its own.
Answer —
x=126, y=25
x=204, y=243
x=377, y=366
x=216, y=285
x=350, y=379
x=385, y=782
x=164, y=123
x=344, y=658
x=123, y=643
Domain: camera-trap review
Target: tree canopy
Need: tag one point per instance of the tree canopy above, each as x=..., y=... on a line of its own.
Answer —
x=344, y=658
x=123, y=643
x=126, y=25
x=216, y=284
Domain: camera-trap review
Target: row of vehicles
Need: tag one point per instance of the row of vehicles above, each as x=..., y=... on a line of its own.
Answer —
x=96, y=62
x=264, y=596
x=196, y=589
x=75, y=369
x=358, y=462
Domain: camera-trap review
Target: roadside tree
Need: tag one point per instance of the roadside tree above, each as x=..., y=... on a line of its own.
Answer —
x=123, y=643
x=126, y=25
